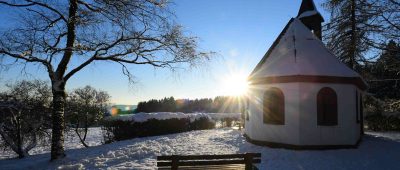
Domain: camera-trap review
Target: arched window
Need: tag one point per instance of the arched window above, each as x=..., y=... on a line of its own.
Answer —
x=327, y=107
x=274, y=107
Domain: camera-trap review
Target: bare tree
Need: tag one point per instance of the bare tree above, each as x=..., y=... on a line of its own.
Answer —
x=389, y=19
x=55, y=33
x=85, y=108
x=24, y=109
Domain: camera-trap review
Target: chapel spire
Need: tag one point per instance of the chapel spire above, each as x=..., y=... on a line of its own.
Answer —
x=309, y=15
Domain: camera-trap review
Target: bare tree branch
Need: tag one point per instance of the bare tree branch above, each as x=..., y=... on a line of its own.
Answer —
x=16, y=5
x=70, y=36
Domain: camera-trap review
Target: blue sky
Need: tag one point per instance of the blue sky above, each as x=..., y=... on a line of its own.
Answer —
x=240, y=31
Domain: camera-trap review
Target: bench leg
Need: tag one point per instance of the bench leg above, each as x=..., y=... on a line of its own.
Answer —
x=174, y=163
x=248, y=159
x=254, y=168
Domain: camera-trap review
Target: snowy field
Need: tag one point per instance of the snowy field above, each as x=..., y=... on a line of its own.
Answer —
x=94, y=137
x=377, y=151
x=72, y=141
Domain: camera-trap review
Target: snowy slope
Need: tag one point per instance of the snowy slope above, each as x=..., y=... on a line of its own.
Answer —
x=140, y=153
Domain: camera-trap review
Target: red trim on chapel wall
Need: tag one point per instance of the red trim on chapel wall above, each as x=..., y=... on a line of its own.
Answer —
x=357, y=81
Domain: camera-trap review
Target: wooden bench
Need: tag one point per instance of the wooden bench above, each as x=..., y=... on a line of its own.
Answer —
x=231, y=161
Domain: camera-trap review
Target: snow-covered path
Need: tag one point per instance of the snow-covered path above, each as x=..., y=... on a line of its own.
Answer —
x=373, y=153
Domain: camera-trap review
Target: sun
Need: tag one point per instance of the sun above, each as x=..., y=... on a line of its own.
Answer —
x=235, y=85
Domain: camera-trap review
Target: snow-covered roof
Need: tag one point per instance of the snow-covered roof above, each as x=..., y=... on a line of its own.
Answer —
x=297, y=51
x=308, y=13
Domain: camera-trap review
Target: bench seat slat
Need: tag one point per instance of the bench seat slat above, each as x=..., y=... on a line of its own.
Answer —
x=169, y=163
x=191, y=157
x=195, y=163
x=219, y=167
x=202, y=167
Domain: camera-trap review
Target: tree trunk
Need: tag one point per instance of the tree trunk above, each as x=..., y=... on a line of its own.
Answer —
x=19, y=137
x=79, y=135
x=58, y=86
x=353, y=35
x=57, y=140
x=82, y=139
x=86, y=131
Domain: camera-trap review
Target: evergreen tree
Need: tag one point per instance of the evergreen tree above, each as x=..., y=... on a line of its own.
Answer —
x=388, y=64
x=221, y=104
x=386, y=72
x=359, y=29
x=347, y=34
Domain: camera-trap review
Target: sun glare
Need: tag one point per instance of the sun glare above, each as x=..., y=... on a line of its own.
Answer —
x=235, y=85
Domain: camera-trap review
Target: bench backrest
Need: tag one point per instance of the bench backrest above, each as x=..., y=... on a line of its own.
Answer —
x=174, y=161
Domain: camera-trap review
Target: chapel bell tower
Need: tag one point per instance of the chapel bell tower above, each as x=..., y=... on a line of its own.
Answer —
x=309, y=15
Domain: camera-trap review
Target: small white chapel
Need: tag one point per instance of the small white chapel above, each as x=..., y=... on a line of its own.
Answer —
x=301, y=96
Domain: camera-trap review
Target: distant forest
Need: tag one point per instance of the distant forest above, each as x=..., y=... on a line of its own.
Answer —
x=220, y=104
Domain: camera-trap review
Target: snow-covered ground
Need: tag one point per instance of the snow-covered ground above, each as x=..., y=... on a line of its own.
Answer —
x=94, y=138
x=388, y=135
x=374, y=153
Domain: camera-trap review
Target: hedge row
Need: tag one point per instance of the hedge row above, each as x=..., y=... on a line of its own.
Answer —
x=117, y=130
x=378, y=122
